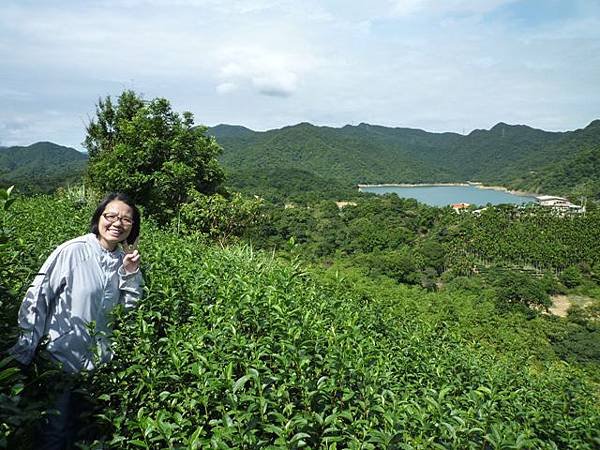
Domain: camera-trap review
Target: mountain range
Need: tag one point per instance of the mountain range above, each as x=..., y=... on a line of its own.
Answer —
x=317, y=161
x=516, y=156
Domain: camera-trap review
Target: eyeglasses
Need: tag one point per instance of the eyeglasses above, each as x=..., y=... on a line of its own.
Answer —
x=113, y=217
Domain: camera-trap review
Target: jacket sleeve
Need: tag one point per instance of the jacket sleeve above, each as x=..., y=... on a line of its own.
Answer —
x=131, y=287
x=38, y=304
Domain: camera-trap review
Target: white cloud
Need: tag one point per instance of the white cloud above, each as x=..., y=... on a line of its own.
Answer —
x=269, y=72
x=280, y=84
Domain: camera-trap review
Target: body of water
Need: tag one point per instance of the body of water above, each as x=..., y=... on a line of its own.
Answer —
x=447, y=195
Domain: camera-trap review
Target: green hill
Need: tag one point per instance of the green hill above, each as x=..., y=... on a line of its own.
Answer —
x=350, y=154
x=306, y=161
x=40, y=167
x=573, y=166
x=505, y=154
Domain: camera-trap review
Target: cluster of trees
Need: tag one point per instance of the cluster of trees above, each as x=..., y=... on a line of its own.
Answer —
x=522, y=255
x=534, y=236
x=347, y=155
x=578, y=176
x=152, y=153
x=513, y=155
x=386, y=236
x=284, y=186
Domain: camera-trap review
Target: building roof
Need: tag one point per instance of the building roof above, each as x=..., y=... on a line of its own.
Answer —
x=543, y=198
x=460, y=205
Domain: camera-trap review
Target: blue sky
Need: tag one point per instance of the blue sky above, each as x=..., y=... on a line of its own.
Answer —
x=439, y=65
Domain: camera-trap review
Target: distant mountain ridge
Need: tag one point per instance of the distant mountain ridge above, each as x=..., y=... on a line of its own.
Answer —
x=40, y=167
x=506, y=154
x=321, y=161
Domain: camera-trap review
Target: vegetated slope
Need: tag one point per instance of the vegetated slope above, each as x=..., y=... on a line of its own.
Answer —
x=487, y=155
x=40, y=167
x=346, y=155
x=233, y=349
x=501, y=153
x=506, y=154
x=372, y=153
x=577, y=172
x=578, y=176
x=288, y=185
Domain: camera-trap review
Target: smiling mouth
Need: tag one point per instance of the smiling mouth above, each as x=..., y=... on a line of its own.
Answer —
x=114, y=231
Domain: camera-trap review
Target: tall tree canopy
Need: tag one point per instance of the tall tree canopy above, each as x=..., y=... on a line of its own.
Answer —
x=152, y=153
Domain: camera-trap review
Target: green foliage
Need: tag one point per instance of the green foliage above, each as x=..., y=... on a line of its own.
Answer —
x=17, y=411
x=577, y=340
x=532, y=236
x=6, y=200
x=576, y=173
x=280, y=186
x=571, y=277
x=217, y=216
x=399, y=265
x=32, y=229
x=149, y=151
x=232, y=348
x=305, y=163
x=434, y=255
x=236, y=350
x=585, y=314
x=517, y=288
x=5, y=236
x=349, y=155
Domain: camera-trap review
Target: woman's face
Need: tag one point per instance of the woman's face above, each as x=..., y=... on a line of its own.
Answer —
x=115, y=224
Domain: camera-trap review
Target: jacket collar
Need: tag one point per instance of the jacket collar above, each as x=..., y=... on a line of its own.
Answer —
x=94, y=243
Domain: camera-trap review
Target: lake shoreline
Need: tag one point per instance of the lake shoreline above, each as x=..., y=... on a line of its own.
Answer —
x=472, y=184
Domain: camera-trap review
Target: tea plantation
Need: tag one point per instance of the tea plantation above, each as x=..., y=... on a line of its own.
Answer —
x=232, y=348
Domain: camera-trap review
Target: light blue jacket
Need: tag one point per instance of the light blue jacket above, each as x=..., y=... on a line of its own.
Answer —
x=79, y=284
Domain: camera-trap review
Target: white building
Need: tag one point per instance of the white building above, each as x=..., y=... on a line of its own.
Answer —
x=560, y=204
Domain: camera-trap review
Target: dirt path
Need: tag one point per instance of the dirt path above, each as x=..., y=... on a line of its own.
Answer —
x=560, y=305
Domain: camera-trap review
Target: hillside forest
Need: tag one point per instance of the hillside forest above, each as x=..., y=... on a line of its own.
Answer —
x=275, y=316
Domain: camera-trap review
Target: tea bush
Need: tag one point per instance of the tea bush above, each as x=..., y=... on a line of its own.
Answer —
x=30, y=230
x=235, y=349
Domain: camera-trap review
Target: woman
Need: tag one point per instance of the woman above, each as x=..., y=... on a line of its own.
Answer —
x=71, y=298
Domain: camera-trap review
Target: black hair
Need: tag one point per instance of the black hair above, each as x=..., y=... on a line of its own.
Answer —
x=135, y=227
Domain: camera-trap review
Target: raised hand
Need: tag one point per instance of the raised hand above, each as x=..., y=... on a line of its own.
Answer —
x=131, y=261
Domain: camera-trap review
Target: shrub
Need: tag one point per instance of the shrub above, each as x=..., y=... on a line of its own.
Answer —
x=520, y=289
x=571, y=277
x=218, y=216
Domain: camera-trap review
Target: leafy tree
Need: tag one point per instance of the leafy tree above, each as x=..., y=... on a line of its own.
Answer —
x=571, y=277
x=433, y=255
x=520, y=289
x=217, y=216
x=149, y=151
x=400, y=265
